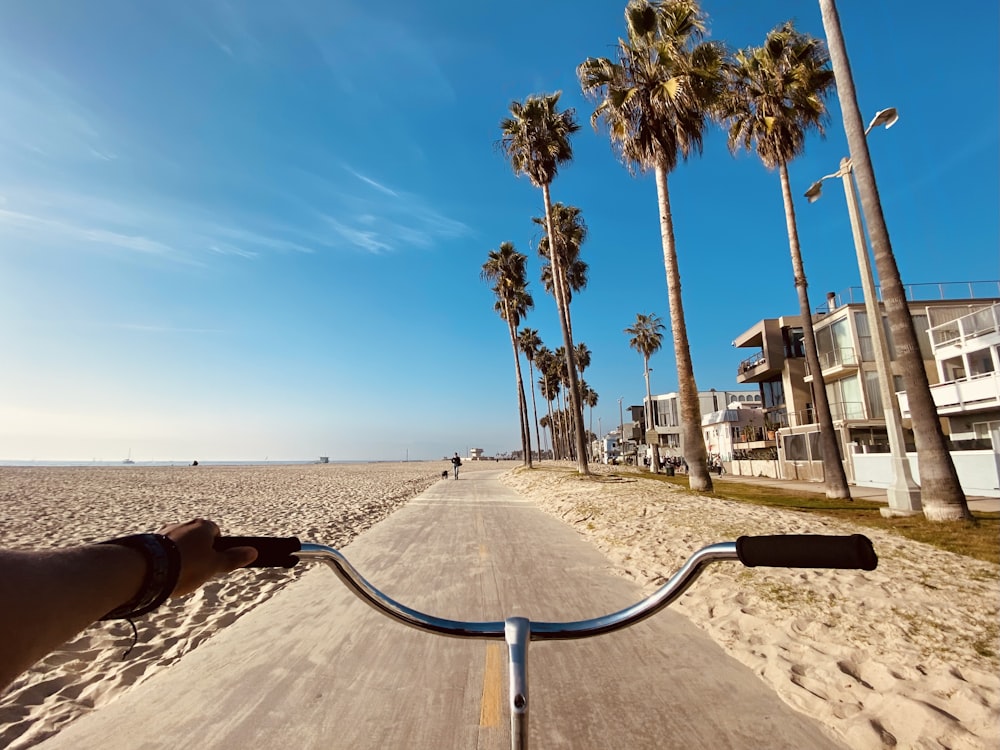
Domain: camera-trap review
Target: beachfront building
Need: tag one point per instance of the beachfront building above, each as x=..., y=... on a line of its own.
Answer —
x=608, y=448
x=475, y=454
x=967, y=362
x=847, y=356
x=728, y=428
x=665, y=411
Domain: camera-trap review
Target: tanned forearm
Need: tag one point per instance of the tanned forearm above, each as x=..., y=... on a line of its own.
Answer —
x=48, y=597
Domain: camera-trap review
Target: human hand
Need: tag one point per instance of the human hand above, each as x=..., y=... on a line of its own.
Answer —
x=200, y=561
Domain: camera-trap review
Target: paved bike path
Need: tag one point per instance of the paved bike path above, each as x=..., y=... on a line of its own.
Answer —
x=313, y=667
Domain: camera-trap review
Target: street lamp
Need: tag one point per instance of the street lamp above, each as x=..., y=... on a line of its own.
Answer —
x=903, y=494
x=621, y=429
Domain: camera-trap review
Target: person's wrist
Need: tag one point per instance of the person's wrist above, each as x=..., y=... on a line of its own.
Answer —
x=162, y=571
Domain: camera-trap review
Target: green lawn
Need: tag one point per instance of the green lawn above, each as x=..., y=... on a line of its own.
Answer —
x=979, y=538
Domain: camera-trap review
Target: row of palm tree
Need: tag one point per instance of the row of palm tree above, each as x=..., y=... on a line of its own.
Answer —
x=506, y=268
x=656, y=97
x=535, y=140
x=655, y=100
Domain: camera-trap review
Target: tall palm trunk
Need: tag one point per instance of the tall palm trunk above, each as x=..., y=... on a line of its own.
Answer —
x=552, y=434
x=557, y=283
x=534, y=408
x=834, y=475
x=694, y=443
x=940, y=490
x=522, y=405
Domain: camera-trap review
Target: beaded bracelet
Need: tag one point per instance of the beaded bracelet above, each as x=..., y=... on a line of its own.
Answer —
x=163, y=568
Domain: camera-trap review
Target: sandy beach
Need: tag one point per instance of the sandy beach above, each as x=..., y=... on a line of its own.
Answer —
x=44, y=507
x=904, y=656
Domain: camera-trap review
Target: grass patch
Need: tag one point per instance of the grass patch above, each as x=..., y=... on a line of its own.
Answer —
x=979, y=538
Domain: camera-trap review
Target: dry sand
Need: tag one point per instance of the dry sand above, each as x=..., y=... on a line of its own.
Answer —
x=904, y=656
x=40, y=507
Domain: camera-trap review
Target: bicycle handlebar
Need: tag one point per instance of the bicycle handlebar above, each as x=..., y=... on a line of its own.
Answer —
x=807, y=551
x=793, y=551
x=783, y=551
x=272, y=551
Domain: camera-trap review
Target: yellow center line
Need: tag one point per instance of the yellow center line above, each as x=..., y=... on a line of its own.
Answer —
x=490, y=710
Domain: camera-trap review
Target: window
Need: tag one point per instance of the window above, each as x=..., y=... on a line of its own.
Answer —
x=845, y=398
x=865, y=342
x=980, y=363
x=774, y=394
x=792, y=340
x=815, y=447
x=873, y=395
x=795, y=448
x=923, y=336
x=954, y=369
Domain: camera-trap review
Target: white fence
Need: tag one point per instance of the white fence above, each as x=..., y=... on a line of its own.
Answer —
x=978, y=471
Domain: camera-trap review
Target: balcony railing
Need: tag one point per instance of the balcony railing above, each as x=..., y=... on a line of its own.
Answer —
x=920, y=293
x=839, y=411
x=957, y=396
x=836, y=359
x=751, y=362
x=958, y=331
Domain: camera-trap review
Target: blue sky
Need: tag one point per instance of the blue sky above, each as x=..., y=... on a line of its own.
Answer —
x=238, y=230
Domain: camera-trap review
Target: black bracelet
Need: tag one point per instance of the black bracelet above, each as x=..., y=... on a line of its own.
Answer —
x=163, y=568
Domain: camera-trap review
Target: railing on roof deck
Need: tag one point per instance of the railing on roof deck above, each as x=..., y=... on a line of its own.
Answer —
x=948, y=290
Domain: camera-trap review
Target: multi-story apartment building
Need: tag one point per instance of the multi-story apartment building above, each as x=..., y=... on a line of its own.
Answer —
x=847, y=357
x=666, y=426
x=967, y=359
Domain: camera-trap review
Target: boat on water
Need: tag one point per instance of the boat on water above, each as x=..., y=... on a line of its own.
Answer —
x=128, y=460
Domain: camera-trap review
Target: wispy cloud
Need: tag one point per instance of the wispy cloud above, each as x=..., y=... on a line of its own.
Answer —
x=57, y=229
x=44, y=115
x=373, y=183
x=364, y=238
x=165, y=329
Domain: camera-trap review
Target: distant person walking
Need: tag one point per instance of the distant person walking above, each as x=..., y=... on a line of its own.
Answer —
x=456, y=462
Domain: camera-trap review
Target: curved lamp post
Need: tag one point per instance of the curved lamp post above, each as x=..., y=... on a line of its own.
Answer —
x=904, y=493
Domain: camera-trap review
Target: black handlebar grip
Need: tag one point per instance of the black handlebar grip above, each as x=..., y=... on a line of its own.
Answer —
x=272, y=551
x=807, y=551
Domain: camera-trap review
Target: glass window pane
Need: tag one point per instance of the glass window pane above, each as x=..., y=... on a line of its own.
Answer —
x=795, y=448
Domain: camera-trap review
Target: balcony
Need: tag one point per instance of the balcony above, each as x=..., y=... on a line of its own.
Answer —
x=962, y=332
x=836, y=363
x=976, y=393
x=751, y=363
x=845, y=411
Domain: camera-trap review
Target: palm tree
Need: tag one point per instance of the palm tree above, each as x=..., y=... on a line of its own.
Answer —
x=941, y=491
x=647, y=338
x=535, y=139
x=582, y=357
x=777, y=94
x=529, y=342
x=654, y=100
x=561, y=371
x=506, y=269
x=548, y=386
x=590, y=399
x=570, y=233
